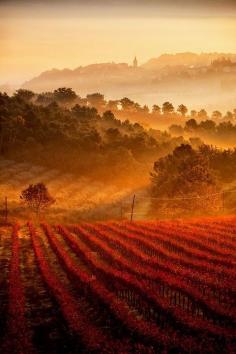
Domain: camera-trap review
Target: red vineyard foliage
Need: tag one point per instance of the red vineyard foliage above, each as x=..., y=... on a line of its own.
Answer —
x=17, y=339
x=121, y=287
x=166, y=279
x=169, y=312
x=157, y=257
x=69, y=307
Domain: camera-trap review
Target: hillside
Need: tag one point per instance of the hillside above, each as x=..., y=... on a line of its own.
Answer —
x=92, y=163
x=186, y=59
x=76, y=197
x=183, y=77
x=147, y=287
x=79, y=141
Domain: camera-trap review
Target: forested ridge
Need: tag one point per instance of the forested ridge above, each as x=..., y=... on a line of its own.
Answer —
x=60, y=130
x=77, y=139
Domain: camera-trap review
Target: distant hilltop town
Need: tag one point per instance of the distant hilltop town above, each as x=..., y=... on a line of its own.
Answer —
x=188, y=77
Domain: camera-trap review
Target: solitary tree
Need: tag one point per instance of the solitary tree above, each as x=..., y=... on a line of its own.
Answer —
x=216, y=115
x=156, y=109
x=37, y=197
x=202, y=114
x=167, y=108
x=182, y=109
x=229, y=115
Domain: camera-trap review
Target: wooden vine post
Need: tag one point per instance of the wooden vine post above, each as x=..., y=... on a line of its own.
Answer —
x=132, y=209
x=6, y=211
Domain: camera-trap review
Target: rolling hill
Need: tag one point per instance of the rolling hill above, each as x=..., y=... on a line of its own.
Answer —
x=181, y=78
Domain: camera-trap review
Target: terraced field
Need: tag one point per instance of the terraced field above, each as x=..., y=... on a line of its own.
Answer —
x=119, y=287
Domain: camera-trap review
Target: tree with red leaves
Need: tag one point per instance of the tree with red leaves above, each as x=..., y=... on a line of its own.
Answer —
x=37, y=197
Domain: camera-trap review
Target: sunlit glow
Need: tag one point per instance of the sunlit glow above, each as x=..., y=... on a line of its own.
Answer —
x=34, y=41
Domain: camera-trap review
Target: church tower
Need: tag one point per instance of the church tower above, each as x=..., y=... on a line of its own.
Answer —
x=135, y=63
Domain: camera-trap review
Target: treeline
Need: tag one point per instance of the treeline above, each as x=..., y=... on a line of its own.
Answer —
x=208, y=130
x=67, y=97
x=77, y=138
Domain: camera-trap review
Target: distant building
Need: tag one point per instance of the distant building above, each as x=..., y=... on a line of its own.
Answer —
x=135, y=63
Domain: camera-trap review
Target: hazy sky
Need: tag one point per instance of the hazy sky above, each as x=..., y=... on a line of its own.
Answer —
x=36, y=36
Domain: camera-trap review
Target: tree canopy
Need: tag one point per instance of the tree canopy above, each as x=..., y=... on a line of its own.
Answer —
x=184, y=172
x=37, y=197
